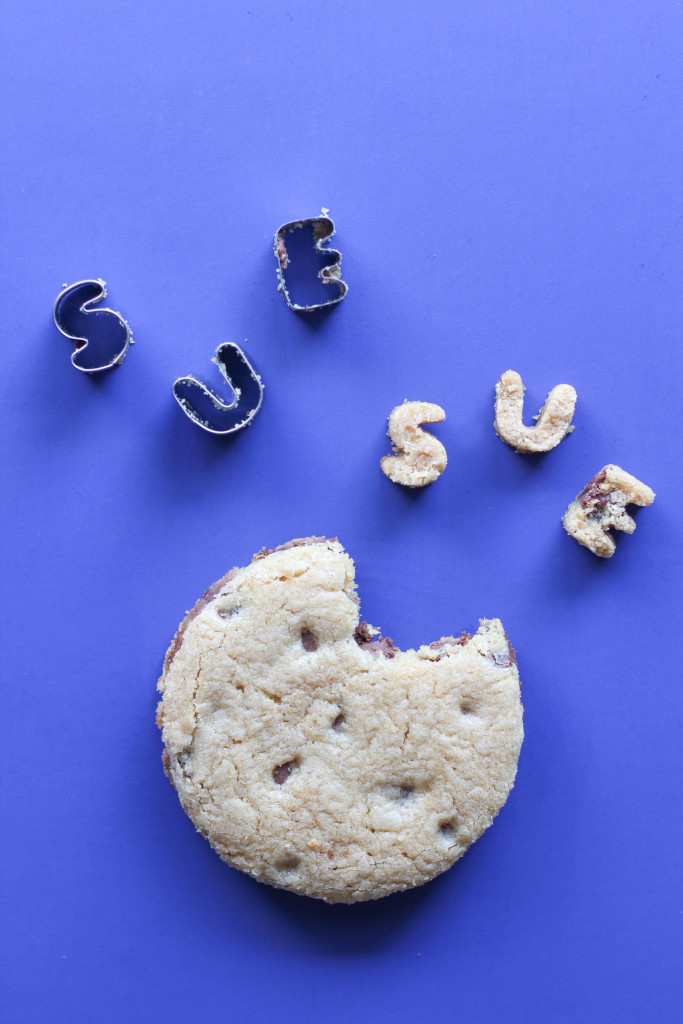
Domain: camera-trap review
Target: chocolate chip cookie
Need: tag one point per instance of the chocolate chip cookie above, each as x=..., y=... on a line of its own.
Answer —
x=316, y=756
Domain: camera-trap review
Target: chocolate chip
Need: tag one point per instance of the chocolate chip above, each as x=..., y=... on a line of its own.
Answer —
x=449, y=641
x=511, y=651
x=447, y=829
x=382, y=645
x=309, y=640
x=288, y=862
x=281, y=772
x=399, y=791
x=362, y=634
x=506, y=658
x=592, y=491
x=373, y=642
x=228, y=611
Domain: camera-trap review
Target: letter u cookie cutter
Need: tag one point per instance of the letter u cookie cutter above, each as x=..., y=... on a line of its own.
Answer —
x=207, y=409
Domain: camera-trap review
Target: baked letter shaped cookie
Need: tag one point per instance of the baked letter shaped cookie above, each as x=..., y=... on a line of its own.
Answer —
x=316, y=756
x=601, y=506
x=553, y=421
x=419, y=458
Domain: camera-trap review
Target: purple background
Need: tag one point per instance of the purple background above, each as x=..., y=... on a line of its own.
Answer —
x=506, y=182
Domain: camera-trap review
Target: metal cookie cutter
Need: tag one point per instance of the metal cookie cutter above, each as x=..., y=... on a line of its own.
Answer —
x=323, y=229
x=101, y=336
x=207, y=409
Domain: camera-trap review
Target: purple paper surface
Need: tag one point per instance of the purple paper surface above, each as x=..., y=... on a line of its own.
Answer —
x=505, y=179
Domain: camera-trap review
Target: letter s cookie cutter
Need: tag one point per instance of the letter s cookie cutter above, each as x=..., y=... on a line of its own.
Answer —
x=207, y=409
x=75, y=318
x=323, y=229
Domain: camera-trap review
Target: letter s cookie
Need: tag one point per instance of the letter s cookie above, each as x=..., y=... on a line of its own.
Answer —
x=419, y=458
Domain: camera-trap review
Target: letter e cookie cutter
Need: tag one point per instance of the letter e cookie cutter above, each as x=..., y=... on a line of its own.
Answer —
x=76, y=319
x=207, y=409
x=323, y=229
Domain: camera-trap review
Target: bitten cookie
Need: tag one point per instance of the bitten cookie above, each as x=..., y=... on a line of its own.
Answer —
x=419, y=457
x=601, y=506
x=552, y=423
x=311, y=752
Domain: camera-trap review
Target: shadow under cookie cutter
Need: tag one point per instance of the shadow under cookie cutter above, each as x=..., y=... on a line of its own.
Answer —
x=323, y=229
x=207, y=409
x=76, y=319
